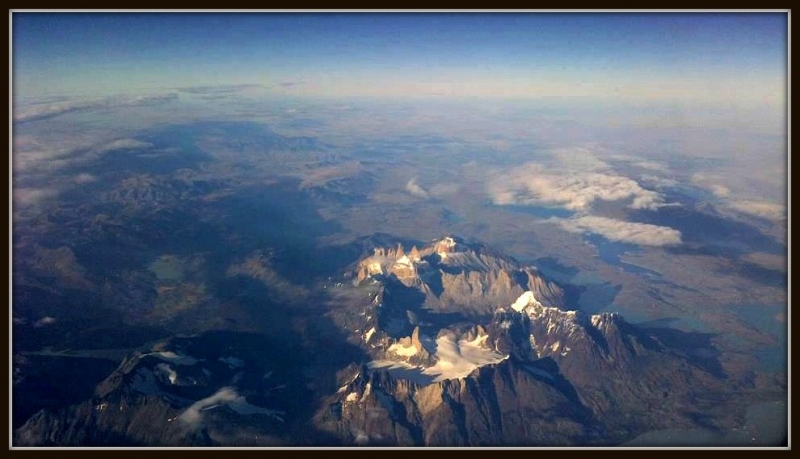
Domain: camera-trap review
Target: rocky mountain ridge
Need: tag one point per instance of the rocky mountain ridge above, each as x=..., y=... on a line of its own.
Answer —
x=485, y=357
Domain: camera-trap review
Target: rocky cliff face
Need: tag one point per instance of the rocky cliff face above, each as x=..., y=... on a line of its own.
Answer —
x=563, y=378
x=470, y=348
x=458, y=276
x=501, y=405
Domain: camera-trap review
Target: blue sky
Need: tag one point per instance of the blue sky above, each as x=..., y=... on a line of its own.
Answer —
x=701, y=57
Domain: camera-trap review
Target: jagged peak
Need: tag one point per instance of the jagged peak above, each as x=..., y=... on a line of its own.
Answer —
x=447, y=244
x=525, y=300
x=528, y=305
x=603, y=320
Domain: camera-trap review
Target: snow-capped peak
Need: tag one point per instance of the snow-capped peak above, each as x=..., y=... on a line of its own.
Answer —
x=445, y=245
x=525, y=300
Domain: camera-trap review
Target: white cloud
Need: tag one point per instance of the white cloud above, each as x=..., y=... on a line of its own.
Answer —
x=50, y=110
x=579, y=159
x=719, y=191
x=710, y=182
x=28, y=197
x=225, y=396
x=416, y=190
x=650, y=165
x=622, y=231
x=637, y=161
x=30, y=161
x=123, y=144
x=658, y=182
x=85, y=178
x=44, y=321
x=532, y=184
x=761, y=209
x=35, y=166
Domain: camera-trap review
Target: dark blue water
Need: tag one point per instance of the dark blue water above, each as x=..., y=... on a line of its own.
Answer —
x=764, y=318
x=610, y=252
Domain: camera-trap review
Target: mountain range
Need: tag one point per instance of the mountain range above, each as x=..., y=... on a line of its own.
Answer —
x=457, y=344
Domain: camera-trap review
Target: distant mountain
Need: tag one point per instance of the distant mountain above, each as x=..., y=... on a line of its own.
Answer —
x=458, y=345
x=192, y=391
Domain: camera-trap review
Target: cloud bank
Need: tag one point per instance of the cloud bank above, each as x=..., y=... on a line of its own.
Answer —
x=50, y=110
x=760, y=209
x=622, y=231
x=532, y=184
x=711, y=183
x=122, y=144
x=35, y=160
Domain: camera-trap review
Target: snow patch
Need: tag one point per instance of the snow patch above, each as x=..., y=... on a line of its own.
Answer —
x=403, y=261
x=478, y=341
x=455, y=360
x=403, y=351
x=524, y=300
x=459, y=359
x=375, y=268
x=368, y=335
